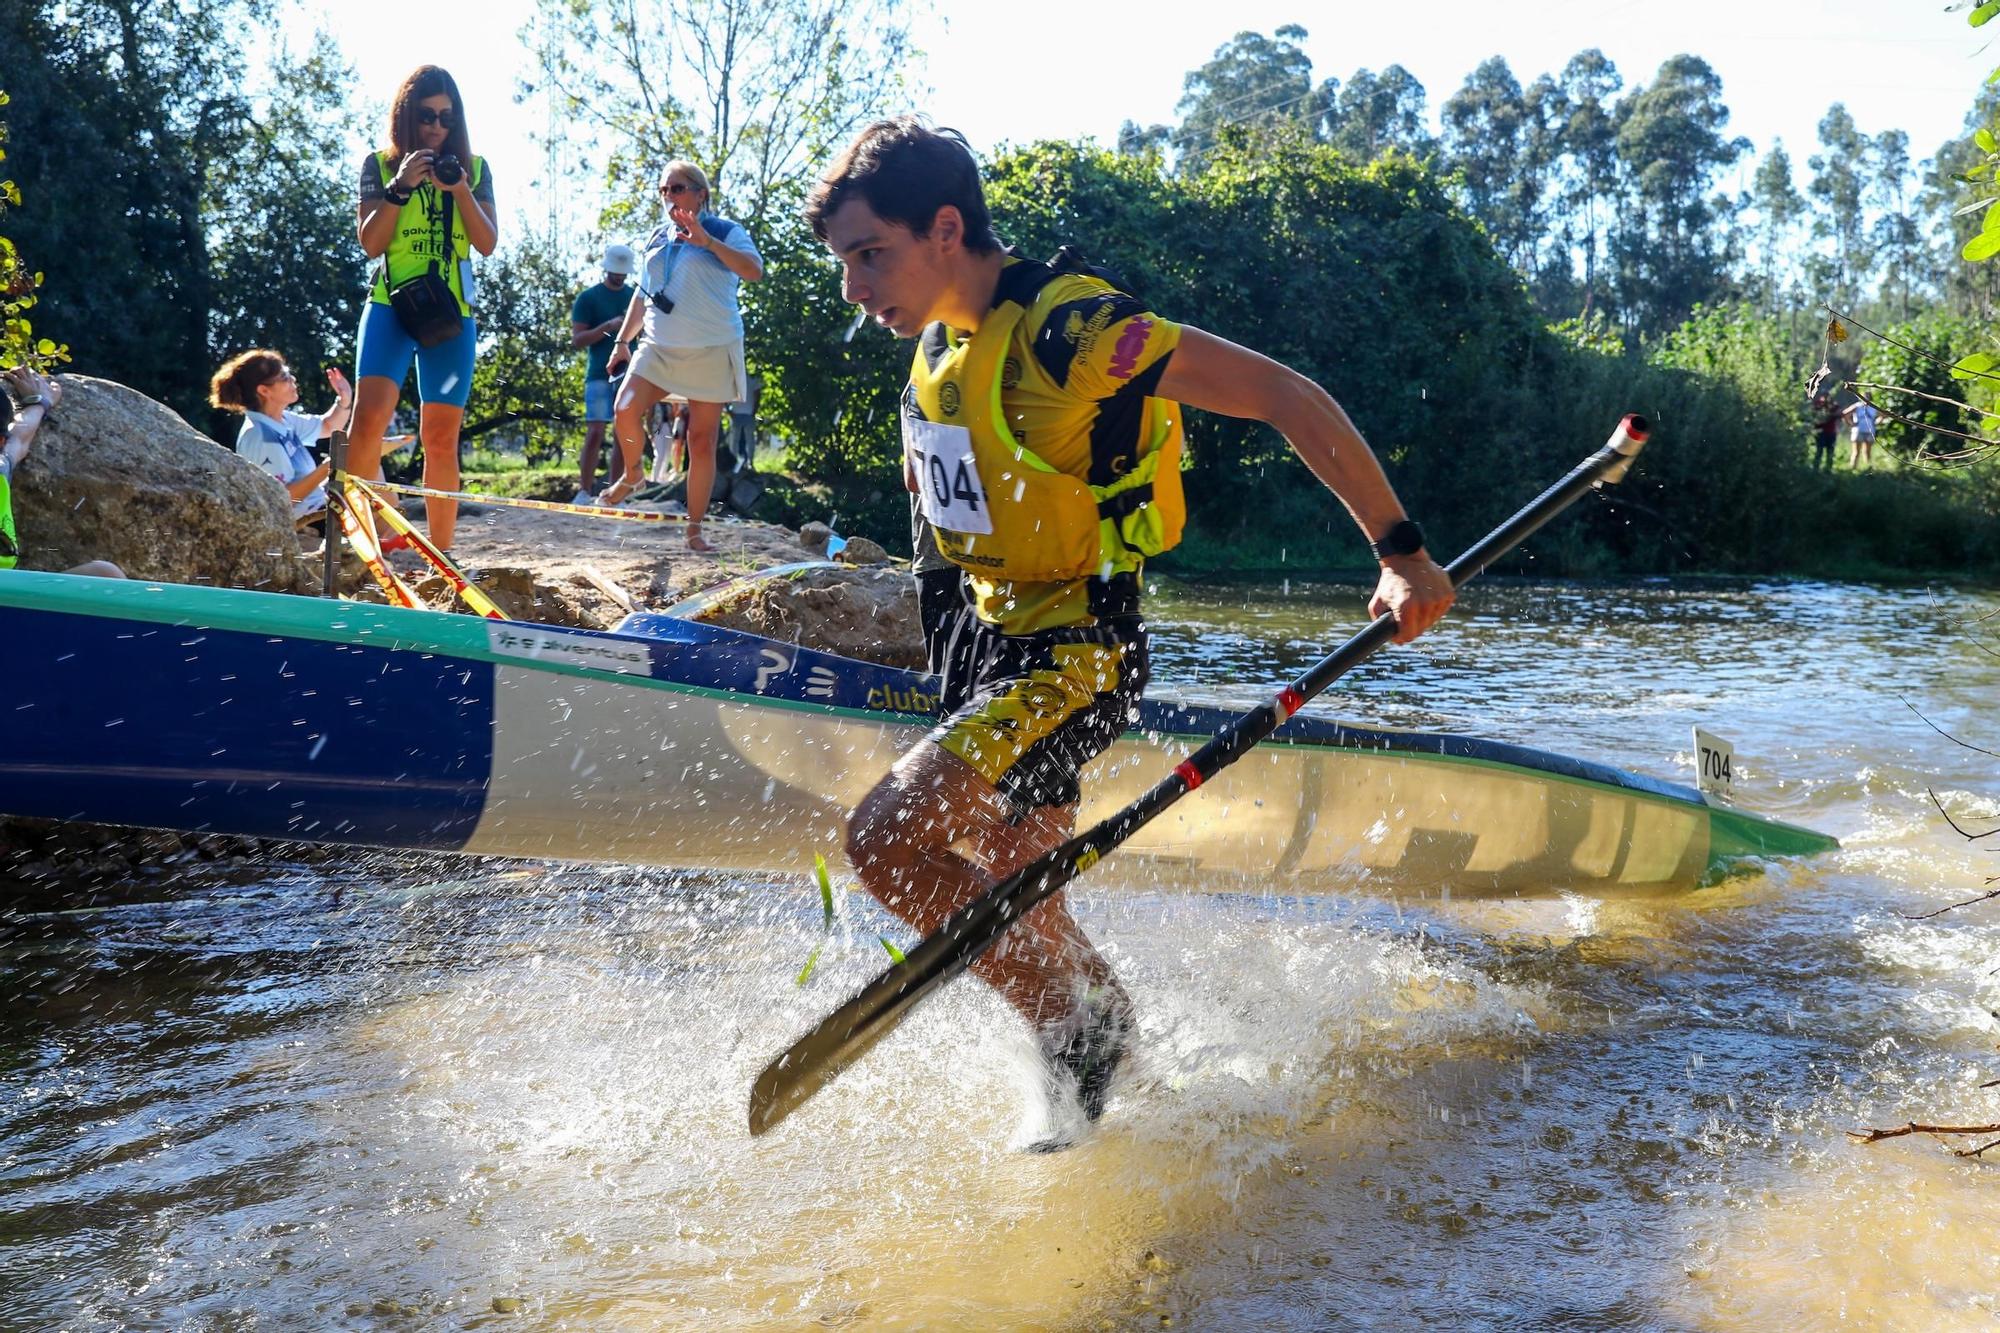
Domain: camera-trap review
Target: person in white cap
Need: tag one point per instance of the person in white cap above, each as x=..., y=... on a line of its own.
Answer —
x=594, y=318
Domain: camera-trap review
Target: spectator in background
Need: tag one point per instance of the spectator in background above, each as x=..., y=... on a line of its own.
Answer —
x=262, y=387
x=1826, y=429
x=594, y=318
x=689, y=278
x=24, y=410
x=1862, y=417
x=426, y=205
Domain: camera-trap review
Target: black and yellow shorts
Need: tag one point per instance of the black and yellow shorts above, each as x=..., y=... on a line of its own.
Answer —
x=1029, y=711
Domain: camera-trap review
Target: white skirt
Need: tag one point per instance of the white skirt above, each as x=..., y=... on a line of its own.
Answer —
x=698, y=374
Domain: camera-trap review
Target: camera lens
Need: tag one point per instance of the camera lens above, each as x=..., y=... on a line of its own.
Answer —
x=447, y=170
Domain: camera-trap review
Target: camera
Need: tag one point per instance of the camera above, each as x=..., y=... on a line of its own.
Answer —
x=662, y=304
x=447, y=169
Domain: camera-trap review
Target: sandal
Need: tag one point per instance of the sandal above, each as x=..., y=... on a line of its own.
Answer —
x=695, y=543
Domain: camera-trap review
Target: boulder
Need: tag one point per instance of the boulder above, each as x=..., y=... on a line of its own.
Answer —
x=116, y=476
x=814, y=537
x=868, y=613
x=863, y=551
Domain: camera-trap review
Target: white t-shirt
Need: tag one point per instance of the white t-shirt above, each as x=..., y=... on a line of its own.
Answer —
x=280, y=447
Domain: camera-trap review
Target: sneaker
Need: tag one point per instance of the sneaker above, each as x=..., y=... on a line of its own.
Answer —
x=1080, y=1057
x=582, y=498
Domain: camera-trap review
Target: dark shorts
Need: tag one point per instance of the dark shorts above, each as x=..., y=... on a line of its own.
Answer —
x=1029, y=711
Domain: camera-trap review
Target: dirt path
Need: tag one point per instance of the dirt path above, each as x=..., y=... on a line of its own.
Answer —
x=555, y=555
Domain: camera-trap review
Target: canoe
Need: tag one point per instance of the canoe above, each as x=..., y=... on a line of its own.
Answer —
x=673, y=743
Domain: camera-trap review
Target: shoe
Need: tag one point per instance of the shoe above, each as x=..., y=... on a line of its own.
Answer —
x=582, y=498
x=1080, y=1057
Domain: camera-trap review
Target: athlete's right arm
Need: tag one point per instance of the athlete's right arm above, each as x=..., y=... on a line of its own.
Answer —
x=1217, y=375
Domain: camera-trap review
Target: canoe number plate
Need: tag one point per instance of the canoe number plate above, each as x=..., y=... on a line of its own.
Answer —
x=1715, y=766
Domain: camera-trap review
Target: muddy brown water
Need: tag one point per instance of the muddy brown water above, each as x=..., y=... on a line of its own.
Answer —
x=410, y=1094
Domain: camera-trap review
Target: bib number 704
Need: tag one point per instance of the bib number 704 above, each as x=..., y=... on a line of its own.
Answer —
x=948, y=484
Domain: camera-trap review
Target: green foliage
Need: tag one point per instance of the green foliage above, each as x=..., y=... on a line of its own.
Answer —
x=179, y=216
x=526, y=367
x=19, y=285
x=1916, y=357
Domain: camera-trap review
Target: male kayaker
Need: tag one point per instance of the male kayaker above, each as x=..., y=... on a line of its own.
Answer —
x=1089, y=380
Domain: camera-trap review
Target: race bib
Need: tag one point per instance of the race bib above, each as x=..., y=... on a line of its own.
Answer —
x=947, y=476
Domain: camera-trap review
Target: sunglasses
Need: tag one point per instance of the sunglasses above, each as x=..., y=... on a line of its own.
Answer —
x=281, y=377
x=427, y=118
x=677, y=187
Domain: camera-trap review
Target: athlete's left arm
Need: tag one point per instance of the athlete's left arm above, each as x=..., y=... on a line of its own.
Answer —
x=1219, y=376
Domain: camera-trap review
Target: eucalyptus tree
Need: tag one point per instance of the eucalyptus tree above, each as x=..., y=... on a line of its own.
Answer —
x=1671, y=242
x=1779, y=208
x=1896, y=236
x=1254, y=81
x=1588, y=181
x=1838, y=183
x=1373, y=113
x=1485, y=133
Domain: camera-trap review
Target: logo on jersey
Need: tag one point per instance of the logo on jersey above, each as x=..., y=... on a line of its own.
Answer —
x=948, y=398
x=1131, y=345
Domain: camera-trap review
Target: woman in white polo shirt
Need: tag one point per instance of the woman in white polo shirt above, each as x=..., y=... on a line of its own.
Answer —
x=689, y=277
x=262, y=387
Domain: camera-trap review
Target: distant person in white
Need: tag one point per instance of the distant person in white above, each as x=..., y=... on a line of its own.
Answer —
x=689, y=274
x=1862, y=417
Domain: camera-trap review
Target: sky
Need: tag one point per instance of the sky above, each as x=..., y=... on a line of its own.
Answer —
x=1910, y=67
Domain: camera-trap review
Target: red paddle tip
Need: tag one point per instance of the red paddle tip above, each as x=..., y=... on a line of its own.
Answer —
x=1636, y=426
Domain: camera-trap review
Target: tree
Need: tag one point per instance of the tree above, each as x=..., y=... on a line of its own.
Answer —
x=1896, y=237
x=287, y=267
x=1837, y=184
x=1373, y=113
x=1670, y=245
x=1779, y=207
x=1254, y=81
x=757, y=92
x=174, y=214
x=1589, y=180
x=1484, y=129
x=1966, y=288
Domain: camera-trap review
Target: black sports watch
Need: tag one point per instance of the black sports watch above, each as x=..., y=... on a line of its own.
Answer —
x=1403, y=538
x=395, y=196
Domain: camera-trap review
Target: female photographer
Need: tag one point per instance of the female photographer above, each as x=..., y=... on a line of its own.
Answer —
x=262, y=387
x=426, y=205
x=693, y=345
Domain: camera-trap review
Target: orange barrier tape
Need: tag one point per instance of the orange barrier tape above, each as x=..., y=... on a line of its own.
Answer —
x=364, y=546
x=600, y=511
x=437, y=560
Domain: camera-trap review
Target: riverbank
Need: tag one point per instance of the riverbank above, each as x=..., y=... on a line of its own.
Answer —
x=590, y=571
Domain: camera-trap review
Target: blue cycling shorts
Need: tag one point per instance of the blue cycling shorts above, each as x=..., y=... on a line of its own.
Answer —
x=444, y=372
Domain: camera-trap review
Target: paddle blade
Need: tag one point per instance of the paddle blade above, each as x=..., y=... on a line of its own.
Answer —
x=851, y=1031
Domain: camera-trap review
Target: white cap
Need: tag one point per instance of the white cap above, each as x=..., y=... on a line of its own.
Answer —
x=620, y=259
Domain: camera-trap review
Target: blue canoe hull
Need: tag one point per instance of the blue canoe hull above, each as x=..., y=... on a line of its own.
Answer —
x=671, y=742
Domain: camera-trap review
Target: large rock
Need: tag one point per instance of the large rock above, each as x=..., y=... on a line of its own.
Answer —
x=116, y=476
x=869, y=614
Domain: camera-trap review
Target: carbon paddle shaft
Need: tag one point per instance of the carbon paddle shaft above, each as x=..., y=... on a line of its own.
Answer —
x=848, y=1033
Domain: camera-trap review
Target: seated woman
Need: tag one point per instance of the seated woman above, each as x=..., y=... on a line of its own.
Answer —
x=24, y=408
x=262, y=387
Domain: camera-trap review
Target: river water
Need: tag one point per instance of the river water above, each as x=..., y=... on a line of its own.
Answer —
x=411, y=1094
